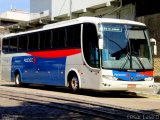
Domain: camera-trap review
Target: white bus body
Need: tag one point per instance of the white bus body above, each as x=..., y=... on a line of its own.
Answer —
x=68, y=54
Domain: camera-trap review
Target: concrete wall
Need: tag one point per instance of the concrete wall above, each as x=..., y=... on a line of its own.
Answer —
x=157, y=68
x=61, y=7
x=15, y=15
x=37, y=6
x=20, y=16
x=126, y=12
x=153, y=24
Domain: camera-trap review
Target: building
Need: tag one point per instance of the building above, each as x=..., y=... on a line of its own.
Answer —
x=18, y=20
x=68, y=9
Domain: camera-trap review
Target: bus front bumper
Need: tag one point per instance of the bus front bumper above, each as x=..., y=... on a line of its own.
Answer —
x=127, y=85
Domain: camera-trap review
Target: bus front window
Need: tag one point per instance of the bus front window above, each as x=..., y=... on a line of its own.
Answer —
x=125, y=47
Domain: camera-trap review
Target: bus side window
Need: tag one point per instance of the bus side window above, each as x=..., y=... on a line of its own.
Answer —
x=42, y=40
x=73, y=34
x=69, y=37
x=5, y=45
x=33, y=41
x=55, y=38
x=48, y=39
x=13, y=46
x=23, y=42
x=45, y=39
x=61, y=36
x=77, y=36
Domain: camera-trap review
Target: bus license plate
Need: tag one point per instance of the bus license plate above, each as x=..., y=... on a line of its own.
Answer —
x=131, y=85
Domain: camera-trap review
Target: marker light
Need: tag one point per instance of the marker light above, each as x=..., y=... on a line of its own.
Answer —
x=108, y=77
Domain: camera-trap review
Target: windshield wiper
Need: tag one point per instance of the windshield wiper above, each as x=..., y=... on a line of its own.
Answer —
x=135, y=54
x=127, y=57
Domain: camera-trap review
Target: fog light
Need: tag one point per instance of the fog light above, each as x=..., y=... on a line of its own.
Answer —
x=148, y=79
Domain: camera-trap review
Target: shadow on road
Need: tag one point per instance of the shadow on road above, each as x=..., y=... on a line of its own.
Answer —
x=93, y=93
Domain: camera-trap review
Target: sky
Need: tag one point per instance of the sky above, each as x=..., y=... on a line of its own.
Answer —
x=5, y=5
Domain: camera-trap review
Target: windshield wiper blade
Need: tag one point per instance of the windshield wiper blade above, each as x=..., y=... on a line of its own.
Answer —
x=140, y=62
x=125, y=61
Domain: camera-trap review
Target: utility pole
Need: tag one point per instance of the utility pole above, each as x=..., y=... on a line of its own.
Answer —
x=70, y=9
x=11, y=5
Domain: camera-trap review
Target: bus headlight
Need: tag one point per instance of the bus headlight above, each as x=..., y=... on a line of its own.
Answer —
x=149, y=79
x=108, y=77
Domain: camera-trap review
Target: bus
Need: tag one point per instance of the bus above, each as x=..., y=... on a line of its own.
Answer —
x=84, y=53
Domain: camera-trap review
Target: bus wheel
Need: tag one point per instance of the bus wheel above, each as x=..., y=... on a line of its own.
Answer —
x=18, y=80
x=74, y=84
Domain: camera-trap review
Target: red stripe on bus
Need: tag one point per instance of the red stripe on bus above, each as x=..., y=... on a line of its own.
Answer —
x=147, y=73
x=55, y=53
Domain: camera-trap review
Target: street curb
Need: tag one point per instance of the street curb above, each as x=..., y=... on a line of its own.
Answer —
x=155, y=93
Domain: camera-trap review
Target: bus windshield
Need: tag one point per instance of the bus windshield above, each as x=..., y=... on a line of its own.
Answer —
x=125, y=47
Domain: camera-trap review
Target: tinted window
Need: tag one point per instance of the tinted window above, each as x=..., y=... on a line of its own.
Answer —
x=45, y=39
x=62, y=37
x=42, y=40
x=23, y=42
x=5, y=45
x=13, y=47
x=48, y=39
x=70, y=36
x=90, y=45
x=55, y=41
x=73, y=34
x=66, y=37
x=33, y=41
x=77, y=35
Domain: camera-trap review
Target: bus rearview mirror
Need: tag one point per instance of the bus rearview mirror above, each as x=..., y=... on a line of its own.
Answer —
x=153, y=46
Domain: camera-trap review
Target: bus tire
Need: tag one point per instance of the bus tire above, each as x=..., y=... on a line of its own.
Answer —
x=74, y=83
x=18, y=80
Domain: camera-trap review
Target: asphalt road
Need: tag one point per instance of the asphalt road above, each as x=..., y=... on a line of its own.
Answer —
x=13, y=109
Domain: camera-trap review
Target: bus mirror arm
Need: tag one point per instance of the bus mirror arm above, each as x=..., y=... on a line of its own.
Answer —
x=153, y=46
x=100, y=44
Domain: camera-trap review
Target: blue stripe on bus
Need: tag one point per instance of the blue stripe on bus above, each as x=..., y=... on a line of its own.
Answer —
x=49, y=71
x=128, y=76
